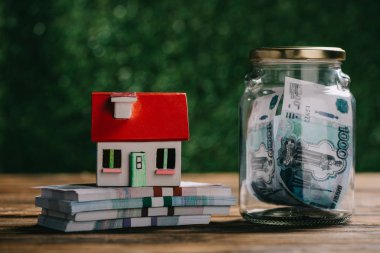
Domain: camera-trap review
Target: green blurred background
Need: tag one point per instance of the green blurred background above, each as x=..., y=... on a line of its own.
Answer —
x=53, y=54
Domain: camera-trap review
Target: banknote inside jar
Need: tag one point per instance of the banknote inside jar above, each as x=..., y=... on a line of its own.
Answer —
x=300, y=145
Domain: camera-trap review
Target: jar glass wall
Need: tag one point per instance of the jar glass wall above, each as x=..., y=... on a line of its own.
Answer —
x=297, y=142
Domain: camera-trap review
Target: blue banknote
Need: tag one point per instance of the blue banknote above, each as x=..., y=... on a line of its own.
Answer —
x=314, y=161
x=314, y=143
x=262, y=181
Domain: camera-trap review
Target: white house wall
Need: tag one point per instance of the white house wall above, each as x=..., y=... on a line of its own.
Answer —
x=150, y=149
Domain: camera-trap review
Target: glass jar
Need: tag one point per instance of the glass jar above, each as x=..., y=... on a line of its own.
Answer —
x=297, y=146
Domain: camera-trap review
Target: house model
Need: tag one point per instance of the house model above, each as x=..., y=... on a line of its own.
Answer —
x=139, y=137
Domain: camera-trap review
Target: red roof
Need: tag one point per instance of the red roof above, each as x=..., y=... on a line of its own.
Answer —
x=155, y=117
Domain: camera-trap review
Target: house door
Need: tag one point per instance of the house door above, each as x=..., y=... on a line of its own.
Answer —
x=137, y=169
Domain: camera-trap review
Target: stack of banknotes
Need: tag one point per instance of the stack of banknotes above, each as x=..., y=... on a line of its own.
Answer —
x=73, y=208
x=300, y=145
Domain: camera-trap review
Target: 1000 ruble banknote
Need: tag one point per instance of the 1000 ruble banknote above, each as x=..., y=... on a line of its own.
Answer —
x=314, y=143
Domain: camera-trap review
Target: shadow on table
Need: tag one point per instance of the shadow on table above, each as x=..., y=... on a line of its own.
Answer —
x=222, y=227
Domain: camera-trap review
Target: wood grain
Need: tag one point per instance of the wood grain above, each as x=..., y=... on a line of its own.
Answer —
x=19, y=232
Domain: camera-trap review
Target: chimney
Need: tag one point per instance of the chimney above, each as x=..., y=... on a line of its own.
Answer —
x=123, y=106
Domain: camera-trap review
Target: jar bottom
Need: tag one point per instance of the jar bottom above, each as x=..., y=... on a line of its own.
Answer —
x=296, y=216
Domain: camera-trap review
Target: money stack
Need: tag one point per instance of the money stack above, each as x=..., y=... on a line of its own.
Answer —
x=71, y=208
x=300, y=145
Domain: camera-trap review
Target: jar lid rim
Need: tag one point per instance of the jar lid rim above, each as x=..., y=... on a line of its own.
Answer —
x=298, y=53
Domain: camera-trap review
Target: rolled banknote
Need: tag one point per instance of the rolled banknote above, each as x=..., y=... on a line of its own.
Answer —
x=262, y=181
x=314, y=143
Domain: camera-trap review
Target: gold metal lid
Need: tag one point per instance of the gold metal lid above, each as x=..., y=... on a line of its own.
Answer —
x=298, y=53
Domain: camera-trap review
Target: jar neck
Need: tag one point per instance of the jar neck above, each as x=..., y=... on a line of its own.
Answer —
x=273, y=72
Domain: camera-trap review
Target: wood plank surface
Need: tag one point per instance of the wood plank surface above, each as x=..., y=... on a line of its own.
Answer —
x=19, y=232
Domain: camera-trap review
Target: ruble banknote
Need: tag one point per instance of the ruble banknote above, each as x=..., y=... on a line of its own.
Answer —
x=314, y=143
x=262, y=181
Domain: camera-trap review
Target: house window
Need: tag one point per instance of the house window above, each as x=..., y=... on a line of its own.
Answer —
x=111, y=161
x=165, y=158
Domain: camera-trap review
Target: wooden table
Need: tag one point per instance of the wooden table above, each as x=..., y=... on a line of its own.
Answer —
x=19, y=232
